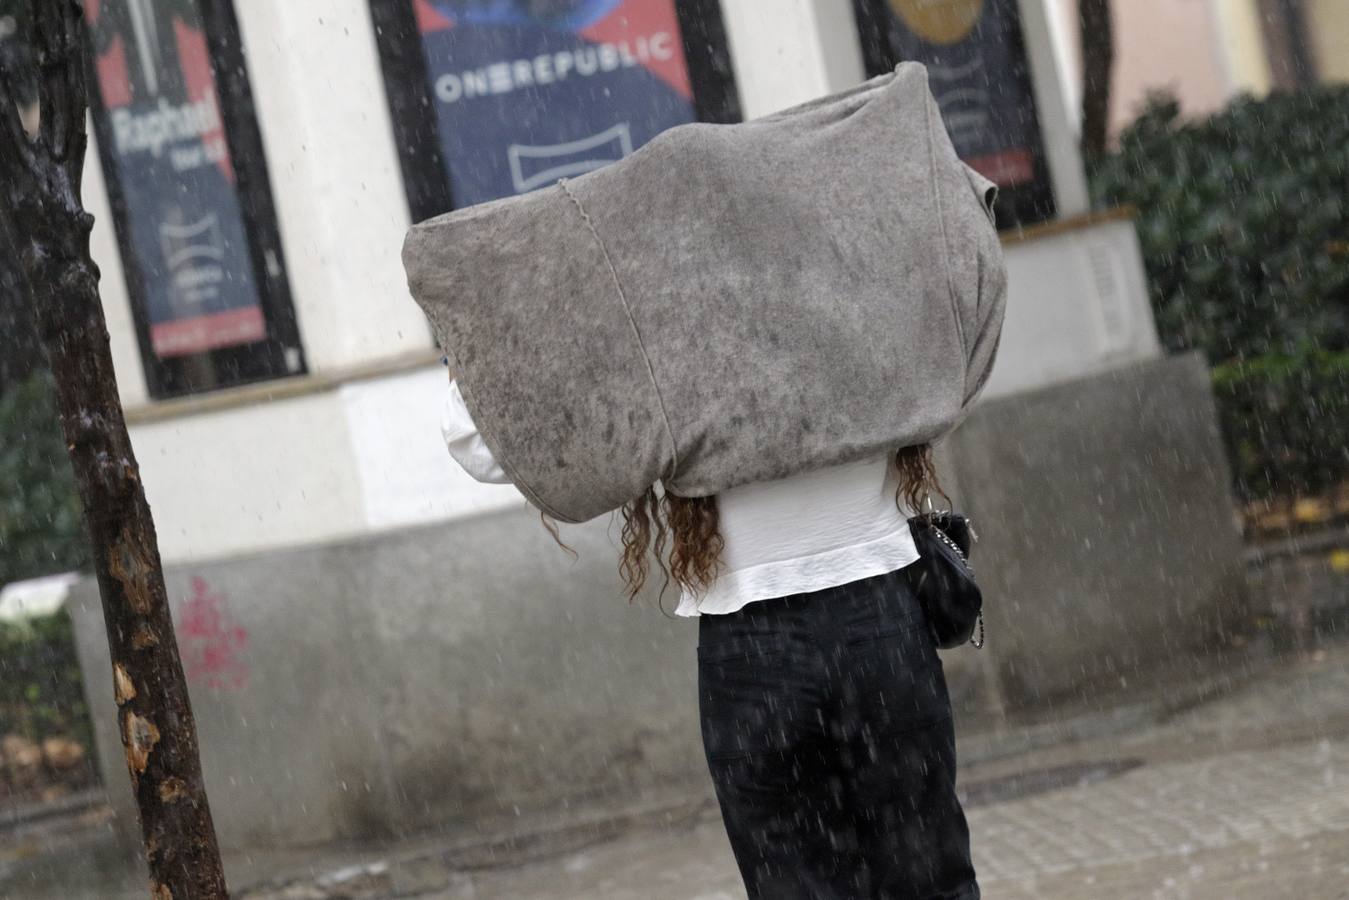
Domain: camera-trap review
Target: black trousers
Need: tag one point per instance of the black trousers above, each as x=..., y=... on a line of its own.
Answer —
x=827, y=728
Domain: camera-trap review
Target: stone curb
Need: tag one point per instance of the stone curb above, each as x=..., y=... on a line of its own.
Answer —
x=28, y=813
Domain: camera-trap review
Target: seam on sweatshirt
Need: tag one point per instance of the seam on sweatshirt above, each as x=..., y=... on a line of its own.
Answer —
x=928, y=104
x=636, y=332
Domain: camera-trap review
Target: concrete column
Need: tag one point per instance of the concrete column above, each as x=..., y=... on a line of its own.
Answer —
x=335, y=178
x=1050, y=72
x=1328, y=32
x=1062, y=18
x=791, y=51
x=1241, y=47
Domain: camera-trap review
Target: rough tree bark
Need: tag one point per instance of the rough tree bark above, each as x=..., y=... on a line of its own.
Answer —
x=49, y=230
x=1098, y=61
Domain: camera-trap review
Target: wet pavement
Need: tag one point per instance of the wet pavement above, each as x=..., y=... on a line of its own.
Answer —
x=1245, y=797
x=1242, y=797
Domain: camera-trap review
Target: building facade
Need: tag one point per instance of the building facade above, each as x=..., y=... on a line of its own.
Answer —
x=1206, y=52
x=374, y=641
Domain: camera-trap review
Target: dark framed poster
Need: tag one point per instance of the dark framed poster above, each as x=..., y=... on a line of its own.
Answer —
x=977, y=67
x=492, y=98
x=191, y=204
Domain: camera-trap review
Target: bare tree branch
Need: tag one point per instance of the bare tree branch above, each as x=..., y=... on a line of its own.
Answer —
x=61, y=85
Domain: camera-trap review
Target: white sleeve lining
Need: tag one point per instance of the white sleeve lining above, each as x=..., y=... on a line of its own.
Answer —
x=465, y=443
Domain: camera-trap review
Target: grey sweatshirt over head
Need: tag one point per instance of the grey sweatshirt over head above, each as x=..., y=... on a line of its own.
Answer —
x=729, y=304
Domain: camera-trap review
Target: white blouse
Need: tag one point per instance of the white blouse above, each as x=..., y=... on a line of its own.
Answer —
x=804, y=533
x=465, y=443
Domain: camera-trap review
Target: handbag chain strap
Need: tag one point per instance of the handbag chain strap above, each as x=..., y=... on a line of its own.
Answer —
x=954, y=546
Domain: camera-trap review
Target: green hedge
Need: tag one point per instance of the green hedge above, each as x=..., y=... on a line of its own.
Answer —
x=1243, y=219
x=41, y=533
x=1286, y=419
x=40, y=526
x=41, y=692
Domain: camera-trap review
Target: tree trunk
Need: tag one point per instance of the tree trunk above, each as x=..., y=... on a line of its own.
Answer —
x=50, y=233
x=1098, y=61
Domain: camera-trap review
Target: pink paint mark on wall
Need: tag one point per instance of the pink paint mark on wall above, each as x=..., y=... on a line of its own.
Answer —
x=210, y=642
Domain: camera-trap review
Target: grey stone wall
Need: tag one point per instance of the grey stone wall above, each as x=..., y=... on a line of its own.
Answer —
x=440, y=676
x=1109, y=537
x=473, y=672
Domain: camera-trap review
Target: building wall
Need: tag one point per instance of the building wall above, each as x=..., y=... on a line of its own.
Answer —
x=358, y=453
x=1108, y=532
x=335, y=178
x=791, y=51
x=376, y=643
x=1076, y=304
x=1241, y=45
x=453, y=675
x=1203, y=51
x=348, y=459
x=1328, y=30
x=358, y=450
x=465, y=674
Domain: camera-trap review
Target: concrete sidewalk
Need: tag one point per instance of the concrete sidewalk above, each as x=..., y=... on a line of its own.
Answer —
x=1244, y=796
x=1240, y=796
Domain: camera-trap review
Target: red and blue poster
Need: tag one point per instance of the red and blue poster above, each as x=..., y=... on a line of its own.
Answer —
x=528, y=92
x=181, y=218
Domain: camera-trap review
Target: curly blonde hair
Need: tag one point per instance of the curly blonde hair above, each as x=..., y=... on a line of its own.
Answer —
x=690, y=526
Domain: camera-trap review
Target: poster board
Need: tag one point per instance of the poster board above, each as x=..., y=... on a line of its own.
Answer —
x=976, y=58
x=495, y=99
x=188, y=187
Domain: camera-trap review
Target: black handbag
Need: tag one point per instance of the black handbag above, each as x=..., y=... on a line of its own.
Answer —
x=944, y=581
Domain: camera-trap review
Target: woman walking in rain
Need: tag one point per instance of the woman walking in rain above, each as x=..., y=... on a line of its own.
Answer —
x=751, y=360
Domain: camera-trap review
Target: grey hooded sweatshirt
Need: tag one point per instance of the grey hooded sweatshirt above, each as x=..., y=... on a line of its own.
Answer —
x=729, y=304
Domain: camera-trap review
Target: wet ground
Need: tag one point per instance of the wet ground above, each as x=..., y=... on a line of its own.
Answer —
x=1242, y=797
x=1245, y=797
x=1242, y=793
